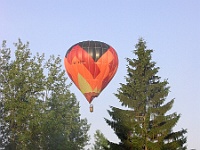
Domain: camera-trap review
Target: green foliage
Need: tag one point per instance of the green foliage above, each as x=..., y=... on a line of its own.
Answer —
x=37, y=109
x=4, y=61
x=145, y=124
x=101, y=143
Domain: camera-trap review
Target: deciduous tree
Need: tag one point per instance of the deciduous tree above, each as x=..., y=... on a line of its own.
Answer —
x=101, y=143
x=38, y=111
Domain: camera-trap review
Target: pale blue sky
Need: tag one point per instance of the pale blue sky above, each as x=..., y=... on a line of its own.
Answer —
x=171, y=28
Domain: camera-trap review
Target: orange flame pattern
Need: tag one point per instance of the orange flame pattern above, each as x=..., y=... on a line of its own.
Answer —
x=90, y=76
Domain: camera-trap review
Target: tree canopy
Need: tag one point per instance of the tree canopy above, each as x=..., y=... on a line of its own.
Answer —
x=144, y=123
x=101, y=143
x=38, y=111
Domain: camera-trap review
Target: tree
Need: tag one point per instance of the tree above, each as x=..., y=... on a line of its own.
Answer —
x=38, y=110
x=101, y=143
x=65, y=129
x=4, y=61
x=145, y=124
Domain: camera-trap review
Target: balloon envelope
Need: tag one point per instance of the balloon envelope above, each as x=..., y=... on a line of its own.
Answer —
x=91, y=65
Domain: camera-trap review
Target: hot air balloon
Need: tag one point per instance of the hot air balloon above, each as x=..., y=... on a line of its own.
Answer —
x=91, y=65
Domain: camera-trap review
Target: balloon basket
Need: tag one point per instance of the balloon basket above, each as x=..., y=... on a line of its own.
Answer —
x=91, y=108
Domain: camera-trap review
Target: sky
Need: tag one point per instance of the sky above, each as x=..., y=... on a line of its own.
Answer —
x=171, y=28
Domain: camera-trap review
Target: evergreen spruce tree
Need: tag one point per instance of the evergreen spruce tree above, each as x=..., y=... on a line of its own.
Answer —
x=145, y=124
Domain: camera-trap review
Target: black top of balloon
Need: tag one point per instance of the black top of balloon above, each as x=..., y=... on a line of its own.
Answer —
x=94, y=48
